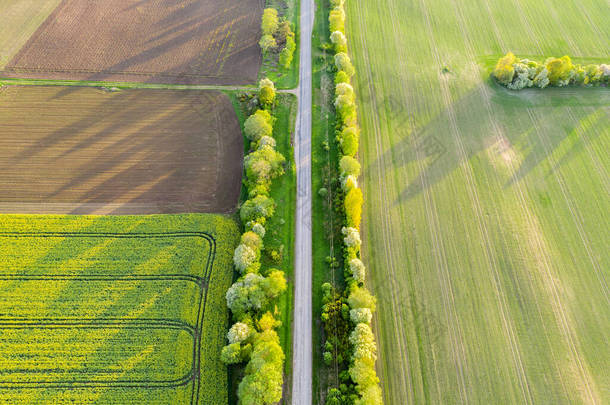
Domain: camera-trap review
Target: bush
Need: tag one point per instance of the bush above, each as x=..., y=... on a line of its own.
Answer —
x=349, y=141
x=360, y=297
x=357, y=270
x=504, y=71
x=287, y=54
x=353, y=207
x=238, y=333
x=344, y=63
x=231, y=354
x=267, y=42
x=270, y=21
x=341, y=77
x=351, y=237
x=257, y=209
x=360, y=315
x=246, y=259
x=336, y=19
x=264, y=165
x=262, y=384
x=349, y=182
x=258, y=125
x=349, y=166
x=519, y=74
x=561, y=70
x=252, y=240
x=266, y=92
x=339, y=40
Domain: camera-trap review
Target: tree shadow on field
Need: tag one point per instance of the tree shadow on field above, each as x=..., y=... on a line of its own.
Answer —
x=530, y=125
x=128, y=152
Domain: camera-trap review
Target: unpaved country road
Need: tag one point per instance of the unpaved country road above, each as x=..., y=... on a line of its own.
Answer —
x=302, y=332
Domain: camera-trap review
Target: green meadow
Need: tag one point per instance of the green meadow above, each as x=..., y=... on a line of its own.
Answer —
x=486, y=210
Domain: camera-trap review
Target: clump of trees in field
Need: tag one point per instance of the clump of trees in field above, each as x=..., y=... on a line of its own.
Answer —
x=277, y=37
x=346, y=315
x=252, y=298
x=517, y=74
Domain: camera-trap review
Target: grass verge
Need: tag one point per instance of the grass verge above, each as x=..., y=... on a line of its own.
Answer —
x=326, y=225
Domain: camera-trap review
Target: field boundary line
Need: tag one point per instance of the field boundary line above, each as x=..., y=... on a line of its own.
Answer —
x=194, y=376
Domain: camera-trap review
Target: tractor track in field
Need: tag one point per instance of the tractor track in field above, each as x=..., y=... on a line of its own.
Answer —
x=569, y=334
x=526, y=24
x=561, y=315
x=383, y=197
x=196, y=332
x=603, y=174
x=479, y=214
x=539, y=242
x=439, y=253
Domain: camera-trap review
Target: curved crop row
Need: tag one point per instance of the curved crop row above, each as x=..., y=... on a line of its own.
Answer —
x=517, y=74
x=252, y=298
x=347, y=316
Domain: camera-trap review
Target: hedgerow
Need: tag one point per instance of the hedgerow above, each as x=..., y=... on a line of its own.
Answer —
x=347, y=315
x=277, y=36
x=517, y=74
x=252, y=298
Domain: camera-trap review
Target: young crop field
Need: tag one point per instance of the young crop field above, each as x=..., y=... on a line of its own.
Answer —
x=114, y=310
x=187, y=42
x=92, y=151
x=486, y=212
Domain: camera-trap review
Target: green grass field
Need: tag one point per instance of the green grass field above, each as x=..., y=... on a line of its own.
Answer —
x=127, y=310
x=486, y=211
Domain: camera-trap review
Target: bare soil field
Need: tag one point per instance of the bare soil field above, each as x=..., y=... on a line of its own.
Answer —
x=93, y=151
x=186, y=42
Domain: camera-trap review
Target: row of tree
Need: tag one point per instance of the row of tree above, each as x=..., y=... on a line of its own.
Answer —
x=252, y=298
x=347, y=315
x=517, y=74
x=277, y=36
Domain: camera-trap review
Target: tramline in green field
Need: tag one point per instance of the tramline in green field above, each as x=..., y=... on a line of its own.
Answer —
x=486, y=210
x=126, y=310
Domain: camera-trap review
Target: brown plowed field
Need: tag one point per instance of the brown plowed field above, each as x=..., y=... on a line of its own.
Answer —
x=89, y=151
x=161, y=41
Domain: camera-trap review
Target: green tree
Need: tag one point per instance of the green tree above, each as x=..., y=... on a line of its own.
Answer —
x=258, y=125
x=267, y=42
x=504, y=71
x=257, y=209
x=231, y=354
x=266, y=92
x=561, y=70
x=349, y=141
x=349, y=166
x=336, y=19
x=360, y=297
x=339, y=40
x=262, y=384
x=353, y=207
x=270, y=21
x=344, y=63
